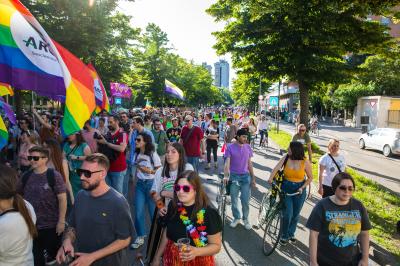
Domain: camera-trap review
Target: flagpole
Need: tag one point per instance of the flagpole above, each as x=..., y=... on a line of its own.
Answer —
x=33, y=107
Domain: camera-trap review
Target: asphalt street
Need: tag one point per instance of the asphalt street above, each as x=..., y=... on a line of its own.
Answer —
x=370, y=163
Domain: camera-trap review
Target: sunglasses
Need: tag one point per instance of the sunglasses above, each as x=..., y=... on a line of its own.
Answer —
x=86, y=173
x=344, y=188
x=302, y=130
x=138, y=140
x=185, y=188
x=35, y=158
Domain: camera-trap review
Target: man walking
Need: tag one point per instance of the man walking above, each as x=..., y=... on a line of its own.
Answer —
x=116, y=140
x=174, y=133
x=230, y=130
x=303, y=137
x=100, y=224
x=191, y=137
x=45, y=189
x=161, y=139
x=239, y=170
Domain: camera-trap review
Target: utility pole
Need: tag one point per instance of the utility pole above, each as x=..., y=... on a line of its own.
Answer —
x=279, y=96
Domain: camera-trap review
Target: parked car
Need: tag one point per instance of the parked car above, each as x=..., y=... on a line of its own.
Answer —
x=386, y=140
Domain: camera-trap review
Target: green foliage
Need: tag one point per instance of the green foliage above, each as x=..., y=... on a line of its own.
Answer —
x=302, y=40
x=246, y=89
x=345, y=97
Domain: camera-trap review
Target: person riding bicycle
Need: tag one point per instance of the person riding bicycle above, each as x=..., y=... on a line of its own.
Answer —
x=295, y=171
x=262, y=128
x=314, y=123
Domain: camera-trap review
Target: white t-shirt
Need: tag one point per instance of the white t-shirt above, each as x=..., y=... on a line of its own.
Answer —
x=15, y=240
x=144, y=160
x=330, y=167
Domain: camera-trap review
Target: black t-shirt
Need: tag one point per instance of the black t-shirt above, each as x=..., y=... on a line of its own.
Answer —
x=339, y=227
x=176, y=229
x=212, y=131
x=99, y=221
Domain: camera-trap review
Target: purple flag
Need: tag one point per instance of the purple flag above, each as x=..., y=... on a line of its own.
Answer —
x=120, y=90
x=8, y=111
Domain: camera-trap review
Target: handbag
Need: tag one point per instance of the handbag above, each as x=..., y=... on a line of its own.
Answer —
x=335, y=163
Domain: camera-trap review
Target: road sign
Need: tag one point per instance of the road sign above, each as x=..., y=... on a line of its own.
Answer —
x=273, y=101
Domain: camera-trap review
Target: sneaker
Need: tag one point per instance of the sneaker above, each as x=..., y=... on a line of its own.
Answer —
x=216, y=165
x=283, y=242
x=247, y=225
x=234, y=223
x=208, y=166
x=139, y=241
x=292, y=240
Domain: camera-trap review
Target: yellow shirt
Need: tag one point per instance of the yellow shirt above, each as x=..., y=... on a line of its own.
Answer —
x=295, y=175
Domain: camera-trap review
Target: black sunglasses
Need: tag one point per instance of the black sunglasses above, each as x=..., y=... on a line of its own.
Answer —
x=86, y=173
x=138, y=139
x=344, y=188
x=185, y=188
x=35, y=158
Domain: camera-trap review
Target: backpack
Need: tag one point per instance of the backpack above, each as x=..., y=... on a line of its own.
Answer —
x=50, y=178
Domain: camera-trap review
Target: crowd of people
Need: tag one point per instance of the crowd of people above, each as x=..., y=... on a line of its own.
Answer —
x=67, y=199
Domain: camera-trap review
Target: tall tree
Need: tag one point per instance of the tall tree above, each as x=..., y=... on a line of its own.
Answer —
x=301, y=40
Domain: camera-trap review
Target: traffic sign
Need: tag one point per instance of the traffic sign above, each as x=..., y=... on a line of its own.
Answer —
x=273, y=101
x=260, y=97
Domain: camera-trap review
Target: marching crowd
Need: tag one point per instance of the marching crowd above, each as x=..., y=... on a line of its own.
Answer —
x=66, y=200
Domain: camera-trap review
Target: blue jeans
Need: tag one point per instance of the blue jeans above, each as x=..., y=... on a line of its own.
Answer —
x=129, y=173
x=116, y=180
x=293, y=207
x=194, y=161
x=143, y=197
x=240, y=183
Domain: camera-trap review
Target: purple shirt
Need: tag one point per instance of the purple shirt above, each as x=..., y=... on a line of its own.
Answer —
x=240, y=156
x=40, y=195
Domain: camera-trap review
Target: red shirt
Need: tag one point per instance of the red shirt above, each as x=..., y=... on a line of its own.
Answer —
x=192, y=145
x=119, y=164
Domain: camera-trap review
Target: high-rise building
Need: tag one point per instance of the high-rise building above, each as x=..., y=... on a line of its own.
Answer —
x=207, y=66
x=221, y=77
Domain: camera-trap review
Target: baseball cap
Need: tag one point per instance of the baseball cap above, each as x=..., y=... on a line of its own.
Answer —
x=188, y=117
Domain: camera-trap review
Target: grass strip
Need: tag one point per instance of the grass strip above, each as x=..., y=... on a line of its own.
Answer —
x=382, y=205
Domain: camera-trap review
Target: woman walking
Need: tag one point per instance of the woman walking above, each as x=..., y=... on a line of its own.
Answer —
x=75, y=151
x=191, y=219
x=17, y=222
x=330, y=164
x=147, y=162
x=338, y=225
x=212, y=134
x=297, y=176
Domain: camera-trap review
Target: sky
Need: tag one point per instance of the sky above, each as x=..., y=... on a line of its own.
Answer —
x=186, y=23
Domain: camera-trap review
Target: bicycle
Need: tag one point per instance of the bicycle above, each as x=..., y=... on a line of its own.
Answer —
x=221, y=201
x=274, y=218
x=315, y=128
x=264, y=139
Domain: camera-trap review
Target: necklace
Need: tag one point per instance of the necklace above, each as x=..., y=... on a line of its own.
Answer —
x=198, y=234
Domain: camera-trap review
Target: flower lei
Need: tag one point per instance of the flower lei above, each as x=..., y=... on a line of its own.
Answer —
x=198, y=234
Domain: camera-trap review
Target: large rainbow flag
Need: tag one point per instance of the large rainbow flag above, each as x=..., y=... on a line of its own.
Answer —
x=100, y=94
x=3, y=134
x=31, y=60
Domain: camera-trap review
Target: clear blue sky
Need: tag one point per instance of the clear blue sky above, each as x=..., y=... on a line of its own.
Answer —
x=187, y=24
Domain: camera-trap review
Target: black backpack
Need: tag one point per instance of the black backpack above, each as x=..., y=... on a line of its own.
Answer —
x=111, y=154
x=50, y=178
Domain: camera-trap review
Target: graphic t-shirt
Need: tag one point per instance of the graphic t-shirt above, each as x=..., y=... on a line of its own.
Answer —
x=303, y=140
x=174, y=134
x=339, y=227
x=145, y=161
x=330, y=167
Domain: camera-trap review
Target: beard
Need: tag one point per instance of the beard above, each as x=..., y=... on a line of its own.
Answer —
x=89, y=187
x=111, y=128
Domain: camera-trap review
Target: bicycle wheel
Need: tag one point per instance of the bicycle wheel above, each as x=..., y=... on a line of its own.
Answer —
x=272, y=233
x=264, y=208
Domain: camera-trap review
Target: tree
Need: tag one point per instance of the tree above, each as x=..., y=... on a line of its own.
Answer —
x=346, y=96
x=246, y=89
x=301, y=40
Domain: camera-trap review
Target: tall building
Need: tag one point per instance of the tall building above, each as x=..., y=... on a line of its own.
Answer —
x=206, y=66
x=221, y=77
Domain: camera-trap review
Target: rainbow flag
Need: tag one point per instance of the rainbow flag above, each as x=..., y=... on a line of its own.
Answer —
x=173, y=90
x=31, y=60
x=148, y=104
x=5, y=89
x=8, y=111
x=102, y=102
x=3, y=134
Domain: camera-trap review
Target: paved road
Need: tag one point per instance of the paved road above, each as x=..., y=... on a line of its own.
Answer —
x=244, y=247
x=370, y=163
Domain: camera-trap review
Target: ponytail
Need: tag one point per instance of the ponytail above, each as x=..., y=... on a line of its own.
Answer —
x=20, y=206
